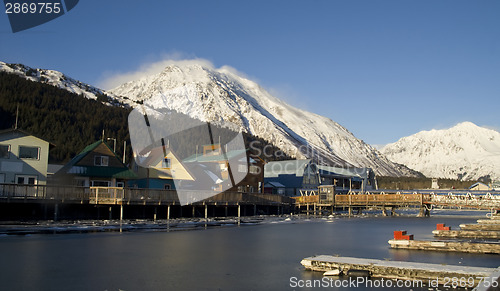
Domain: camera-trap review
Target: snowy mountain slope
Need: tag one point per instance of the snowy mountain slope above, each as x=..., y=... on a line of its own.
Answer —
x=218, y=95
x=465, y=151
x=58, y=79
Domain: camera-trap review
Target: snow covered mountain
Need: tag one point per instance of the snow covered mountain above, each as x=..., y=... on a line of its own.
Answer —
x=465, y=151
x=221, y=95
x=58, y=79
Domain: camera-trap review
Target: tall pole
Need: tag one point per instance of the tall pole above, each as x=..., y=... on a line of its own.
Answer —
x=124, y=150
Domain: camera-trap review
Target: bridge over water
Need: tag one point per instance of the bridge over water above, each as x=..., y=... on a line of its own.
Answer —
x=391, y=199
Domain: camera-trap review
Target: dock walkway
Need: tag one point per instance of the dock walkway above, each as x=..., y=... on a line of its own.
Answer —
x=399, y=270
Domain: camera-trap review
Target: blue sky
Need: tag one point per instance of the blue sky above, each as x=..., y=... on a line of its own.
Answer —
x=382, y=69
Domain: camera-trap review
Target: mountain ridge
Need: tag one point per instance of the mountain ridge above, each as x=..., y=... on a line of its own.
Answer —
x=223, y=95
x=218, y=95
x=465, y=151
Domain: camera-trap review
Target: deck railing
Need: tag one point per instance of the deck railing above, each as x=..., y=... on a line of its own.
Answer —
x=118, y=195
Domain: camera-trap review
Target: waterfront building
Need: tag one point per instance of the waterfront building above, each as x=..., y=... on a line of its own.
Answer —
x=97, y=165
x=480, y=187
x=158, y=170
x=302, y=177
x=23, y=158
x=213, y=166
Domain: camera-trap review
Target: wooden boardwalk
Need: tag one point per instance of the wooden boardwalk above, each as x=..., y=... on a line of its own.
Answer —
x=11, y=193
x=424, y=199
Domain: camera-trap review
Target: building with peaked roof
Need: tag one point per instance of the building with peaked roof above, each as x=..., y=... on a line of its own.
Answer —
x=306, y=175
x=158, y=170
x=274, y=188
x=24, y=158
x=96, y=165
x=232, y=170
x=480, y=187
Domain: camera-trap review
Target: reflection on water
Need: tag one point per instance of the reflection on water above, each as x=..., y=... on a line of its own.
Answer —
x=258, y=257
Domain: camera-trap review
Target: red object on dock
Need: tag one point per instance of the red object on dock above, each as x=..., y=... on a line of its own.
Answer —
x=401, y=235
x=441, y=226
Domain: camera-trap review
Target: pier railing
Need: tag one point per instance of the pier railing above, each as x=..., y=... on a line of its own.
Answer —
x=118, y=195
x=380, y=199
x=459, y=199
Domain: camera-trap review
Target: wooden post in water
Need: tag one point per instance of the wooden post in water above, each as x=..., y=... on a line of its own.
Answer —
x=56, y=211
x=254, y=209
x=121, y=217
x=168, y=212
x=110, y=213
x=154, y=215
x=239, y=214
x=206, y=212
x=193, y=214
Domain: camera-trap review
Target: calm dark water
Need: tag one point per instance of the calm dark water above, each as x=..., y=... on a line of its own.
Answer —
x=259, y=257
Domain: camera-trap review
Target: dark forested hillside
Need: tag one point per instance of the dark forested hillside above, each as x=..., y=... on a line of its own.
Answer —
x=72, y=122
x=67, y=120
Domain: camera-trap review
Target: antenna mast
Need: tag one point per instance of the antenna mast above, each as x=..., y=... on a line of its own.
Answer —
x=17, y=115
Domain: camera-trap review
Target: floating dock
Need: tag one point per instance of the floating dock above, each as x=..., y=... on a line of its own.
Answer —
x=447, y=246
x=446, y=232
x=396, y=269
x=486, y=227
x=403, y=241
x=488, y=221
x=467, y=234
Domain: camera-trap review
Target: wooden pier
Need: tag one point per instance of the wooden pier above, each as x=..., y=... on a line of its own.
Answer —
x=70, y=202
x=397, y=269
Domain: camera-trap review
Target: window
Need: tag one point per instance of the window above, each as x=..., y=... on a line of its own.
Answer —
x=254, y=170
x=26, y=180
x=167, y=187
x=101, y=161
x=165, y=163
x=97, y=183
x=4, y=151
x=120, y=184
x=80, y=182
x=26, y=152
